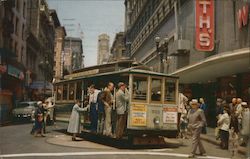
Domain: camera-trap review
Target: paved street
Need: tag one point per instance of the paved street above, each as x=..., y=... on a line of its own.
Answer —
x=16, y=142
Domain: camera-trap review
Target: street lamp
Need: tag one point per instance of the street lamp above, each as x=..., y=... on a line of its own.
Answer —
x=160, y=49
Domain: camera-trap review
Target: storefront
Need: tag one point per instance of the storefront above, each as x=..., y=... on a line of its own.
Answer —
x=11, y=84
x=224, y=75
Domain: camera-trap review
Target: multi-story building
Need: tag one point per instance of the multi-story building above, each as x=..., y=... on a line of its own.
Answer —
x=12, y=54
x=59, y=46
x=103, y=49
x=73, y=54
x=118, y=48
x=41, y=23
x=209, y=53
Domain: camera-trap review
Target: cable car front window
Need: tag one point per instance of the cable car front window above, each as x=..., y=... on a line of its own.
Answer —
x=156, y=90
x=170, y=90
x=140, y=87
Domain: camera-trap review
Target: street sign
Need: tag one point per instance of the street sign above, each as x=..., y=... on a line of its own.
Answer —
x=139, y=115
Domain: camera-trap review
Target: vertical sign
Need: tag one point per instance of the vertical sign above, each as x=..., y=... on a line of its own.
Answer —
x=139, y=115
x=204, y=21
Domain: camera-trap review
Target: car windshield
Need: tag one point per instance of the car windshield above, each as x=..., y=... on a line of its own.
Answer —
x=22, y=105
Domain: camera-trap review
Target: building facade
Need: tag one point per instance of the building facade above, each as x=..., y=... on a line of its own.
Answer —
x=12, y=55
x=41, y=25
x=118, y=48
x=209, y=53
x=73, y=54
x=103, y=51
x=59, y=45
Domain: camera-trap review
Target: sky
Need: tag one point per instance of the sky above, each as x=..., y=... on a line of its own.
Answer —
x=88, y=19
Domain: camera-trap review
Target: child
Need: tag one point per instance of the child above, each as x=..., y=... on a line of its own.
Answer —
x=233, y=142
x=183, y=126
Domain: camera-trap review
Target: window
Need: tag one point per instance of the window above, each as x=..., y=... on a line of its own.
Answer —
x=72, y=91
x=65, y=91
x=59, y=93
x=23, y=32
x=140, y=88
x=170, y=90
x=79, y=90
x=16, y=27
x=24, y=9
x=156, y=91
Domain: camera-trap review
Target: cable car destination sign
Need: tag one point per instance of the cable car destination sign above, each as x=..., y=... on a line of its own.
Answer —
x=204, y=25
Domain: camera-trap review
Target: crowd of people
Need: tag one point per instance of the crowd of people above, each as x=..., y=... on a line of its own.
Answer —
x=100, y=105
x=233, y=123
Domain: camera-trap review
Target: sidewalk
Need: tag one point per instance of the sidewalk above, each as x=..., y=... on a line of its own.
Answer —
x=210, y=137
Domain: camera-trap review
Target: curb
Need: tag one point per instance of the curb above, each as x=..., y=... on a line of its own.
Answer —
x=241, y=149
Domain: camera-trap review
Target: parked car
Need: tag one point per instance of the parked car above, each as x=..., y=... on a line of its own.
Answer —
x=25, y=110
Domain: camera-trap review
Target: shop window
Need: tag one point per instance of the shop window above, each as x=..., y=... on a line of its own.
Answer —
x=156, y=91
x=65, y=91
x=170, y=90
x=140, y=88
x=72, y=91
x=59, y=93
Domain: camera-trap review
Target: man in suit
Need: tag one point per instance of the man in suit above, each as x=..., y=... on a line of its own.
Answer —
x=122, y=99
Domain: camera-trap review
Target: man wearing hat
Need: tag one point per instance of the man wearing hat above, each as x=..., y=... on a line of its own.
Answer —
x=196, y=120
x=122, y=98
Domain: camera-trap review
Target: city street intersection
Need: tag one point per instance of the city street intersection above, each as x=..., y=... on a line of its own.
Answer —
x=18, y=143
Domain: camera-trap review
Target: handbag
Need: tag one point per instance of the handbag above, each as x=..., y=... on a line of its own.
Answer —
x=39, y=117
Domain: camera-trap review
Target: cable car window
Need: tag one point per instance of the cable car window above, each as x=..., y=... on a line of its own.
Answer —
x=170, y=90
x=71, y=91
x=59, y=93
x=140, y=88
x=65, y=91
x=79, y=90
x=156, y=90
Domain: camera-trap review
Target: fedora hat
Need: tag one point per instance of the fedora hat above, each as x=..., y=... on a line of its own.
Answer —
x=194, y=102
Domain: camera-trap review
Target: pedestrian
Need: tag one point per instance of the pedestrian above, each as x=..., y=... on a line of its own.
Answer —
x=101, y=113
x=203, y=106
x=93, y=108
x=245, y=131
x=74, y=121
x=183, y=126
x=224, y=123
x=196, y=120
x=219, y=107
x=108, y=102
x=122, y=99
x=233, y=142
x=238, y=111
x=39, y=114
x=232, y=105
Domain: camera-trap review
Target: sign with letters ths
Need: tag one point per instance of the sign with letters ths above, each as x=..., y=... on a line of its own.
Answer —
x=139, y=115
x=204, y=23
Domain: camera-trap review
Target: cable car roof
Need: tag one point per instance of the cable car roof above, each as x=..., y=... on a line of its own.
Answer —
x=135, y=70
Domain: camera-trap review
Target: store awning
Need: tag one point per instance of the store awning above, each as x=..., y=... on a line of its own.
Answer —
x=223, y=64
x=6, y=53
x=41, y=84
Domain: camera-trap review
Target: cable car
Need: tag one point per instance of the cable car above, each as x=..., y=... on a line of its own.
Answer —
x=152, y=110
